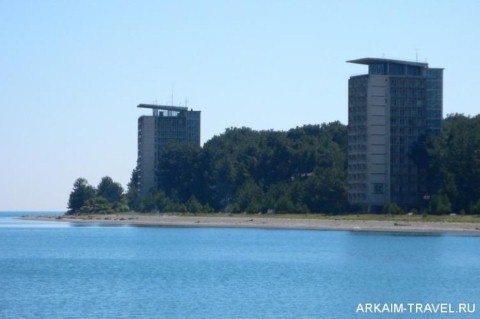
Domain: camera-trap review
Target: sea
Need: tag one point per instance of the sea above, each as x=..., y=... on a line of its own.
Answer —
x=68, y=270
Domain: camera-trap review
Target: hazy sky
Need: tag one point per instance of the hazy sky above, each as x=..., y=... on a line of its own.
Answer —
x=73, y=72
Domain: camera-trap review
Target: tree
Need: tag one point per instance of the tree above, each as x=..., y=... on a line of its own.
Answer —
x=193, y=205
x=392, y=209
x=451, y=161
x=178, y=173
x=110, y=190
x=97, y=204
x=440, y=204
x=243, y=170
x=134, y=199
x=81, y=193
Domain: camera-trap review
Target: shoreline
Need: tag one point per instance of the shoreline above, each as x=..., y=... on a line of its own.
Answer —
x=255, y=221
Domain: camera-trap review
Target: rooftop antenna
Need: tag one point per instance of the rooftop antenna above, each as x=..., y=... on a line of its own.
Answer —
x=172, y=96
x=155, y=112
x=416, y=55
x=186, y=102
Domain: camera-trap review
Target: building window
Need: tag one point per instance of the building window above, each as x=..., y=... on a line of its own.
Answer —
x=378, y=188
x=377, y=68
x=396, y=69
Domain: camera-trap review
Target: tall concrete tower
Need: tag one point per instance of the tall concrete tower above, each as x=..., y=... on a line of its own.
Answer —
x=389, y=109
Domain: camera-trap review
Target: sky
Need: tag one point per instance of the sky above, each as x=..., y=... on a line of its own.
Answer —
x=73, y=72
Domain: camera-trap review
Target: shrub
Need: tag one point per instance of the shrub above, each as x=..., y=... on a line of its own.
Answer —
x=392, y=209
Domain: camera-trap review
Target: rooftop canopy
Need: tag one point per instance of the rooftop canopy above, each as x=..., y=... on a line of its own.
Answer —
x=163, y=107
x=369, y=61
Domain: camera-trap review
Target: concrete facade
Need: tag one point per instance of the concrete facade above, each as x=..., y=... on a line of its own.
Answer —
x=389, y=109
x=167, y=124
x=146, y=153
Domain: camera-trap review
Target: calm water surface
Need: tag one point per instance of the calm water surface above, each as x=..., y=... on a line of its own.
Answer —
x=60, y=270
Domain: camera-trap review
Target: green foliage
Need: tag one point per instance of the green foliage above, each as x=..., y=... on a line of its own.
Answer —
x=451, y=161
x=284, y=205
x=107, y=198
x=178, y=171
x=475, y=208
x=193, y=205
x=110, y=190
x=242, y=170
x=121, y=206
x=97, y=204
x=440, y=204
x=303, y=170
x=134, y=199
x=392, y=209
x=82, y=192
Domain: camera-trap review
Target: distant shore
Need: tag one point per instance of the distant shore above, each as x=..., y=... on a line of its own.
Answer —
x=268, y=222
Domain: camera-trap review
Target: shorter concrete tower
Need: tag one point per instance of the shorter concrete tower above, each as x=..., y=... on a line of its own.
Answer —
x=166, y=124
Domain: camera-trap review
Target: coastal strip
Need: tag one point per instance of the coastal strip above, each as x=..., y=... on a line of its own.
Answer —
x=258, y=221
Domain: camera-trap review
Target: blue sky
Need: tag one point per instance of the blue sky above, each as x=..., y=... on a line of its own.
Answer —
x=73, y=72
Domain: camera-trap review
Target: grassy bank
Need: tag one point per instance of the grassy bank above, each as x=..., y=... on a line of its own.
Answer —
x=353, y=217
x=381, y=217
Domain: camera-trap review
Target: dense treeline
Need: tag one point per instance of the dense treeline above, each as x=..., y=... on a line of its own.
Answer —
x=452, y=163
x=298, y=171
x=242, y=170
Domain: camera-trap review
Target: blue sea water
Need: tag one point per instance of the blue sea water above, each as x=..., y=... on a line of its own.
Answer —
x=61, y=270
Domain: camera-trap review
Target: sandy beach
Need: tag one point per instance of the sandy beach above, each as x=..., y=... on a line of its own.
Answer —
x=259, y=221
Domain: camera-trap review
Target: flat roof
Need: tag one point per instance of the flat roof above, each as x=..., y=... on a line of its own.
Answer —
x=369, y=61
x=163, y=107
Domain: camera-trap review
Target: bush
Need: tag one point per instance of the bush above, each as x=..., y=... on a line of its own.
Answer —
x=392, y=209
x=440, y=204
x=475, y=208
x=193, y=205
x=98, y=204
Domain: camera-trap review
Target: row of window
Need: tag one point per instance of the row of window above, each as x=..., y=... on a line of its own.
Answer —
x=405, y=190
x=357, y=186
x=408, y=110
x=434, y=73
x=355, y=101
x=400, y=159
x=434, y=85
x=355, y=197
x=397, y=130
x=356, y=128
x=403, y=92
x=357, y=167
x=407, y=102
x=407, y=121
x=357, y=138
x=392, y=68
x=404, y=179
x=357, y=109
x=357, y=157
x=379, y=188
x=357, y=82
x=357, y=177
x=357, y=148
x=404, y=170
x=398, y=149
x=402, y=141
x=357, y=119
x=407, y=82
